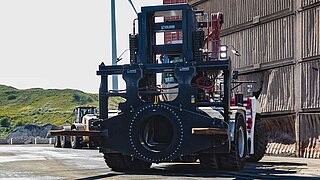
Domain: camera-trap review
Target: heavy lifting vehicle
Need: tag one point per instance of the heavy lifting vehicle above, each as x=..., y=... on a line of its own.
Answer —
x=179, y=102
x=84, y=117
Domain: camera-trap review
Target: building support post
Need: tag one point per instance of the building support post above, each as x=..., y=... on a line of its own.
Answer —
x=297, y=71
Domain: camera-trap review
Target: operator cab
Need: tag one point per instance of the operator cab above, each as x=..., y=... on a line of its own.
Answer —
x=82, y=111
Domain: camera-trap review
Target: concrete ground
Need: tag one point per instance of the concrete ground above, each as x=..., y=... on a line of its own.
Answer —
x=46, y=162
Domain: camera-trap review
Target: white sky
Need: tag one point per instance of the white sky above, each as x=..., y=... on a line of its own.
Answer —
x=60, y=43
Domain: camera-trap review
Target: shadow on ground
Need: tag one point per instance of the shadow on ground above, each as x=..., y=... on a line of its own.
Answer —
x=265, y=170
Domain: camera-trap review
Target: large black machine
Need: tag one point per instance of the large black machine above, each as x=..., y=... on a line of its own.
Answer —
x=177, y=97
x=179, y=104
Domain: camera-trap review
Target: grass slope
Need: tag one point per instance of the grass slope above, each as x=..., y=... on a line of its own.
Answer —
x=18, y=107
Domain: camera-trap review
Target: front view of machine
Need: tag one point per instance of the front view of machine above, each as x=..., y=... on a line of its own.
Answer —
x=177, y=96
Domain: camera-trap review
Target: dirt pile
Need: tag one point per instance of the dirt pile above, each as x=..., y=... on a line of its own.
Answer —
x=31, y=131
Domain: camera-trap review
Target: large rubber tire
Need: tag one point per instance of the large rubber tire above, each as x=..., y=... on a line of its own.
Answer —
x=64, y=142
x=92, y=145
x=260, y=140
x=119, y=162
x=208, y=161
x=189, y=159
x=235, y=160
x=75, y=142
x=57, y=143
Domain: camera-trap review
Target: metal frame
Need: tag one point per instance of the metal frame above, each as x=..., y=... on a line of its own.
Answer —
x=145, y=67
x=133, y=73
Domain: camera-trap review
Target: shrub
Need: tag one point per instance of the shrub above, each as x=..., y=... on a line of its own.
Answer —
x=89, y=100
x=12, y=97
x=5, y=122
x=20, y=124
x=76, y=98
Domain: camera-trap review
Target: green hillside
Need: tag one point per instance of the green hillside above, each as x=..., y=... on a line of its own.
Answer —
x=19, y=107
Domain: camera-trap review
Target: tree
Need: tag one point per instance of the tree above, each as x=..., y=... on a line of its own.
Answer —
x=5, y=122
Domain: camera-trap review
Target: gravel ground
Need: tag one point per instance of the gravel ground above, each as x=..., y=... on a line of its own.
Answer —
x=46, y=162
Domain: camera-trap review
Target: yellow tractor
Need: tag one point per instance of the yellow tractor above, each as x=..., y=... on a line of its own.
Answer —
x=84, y=118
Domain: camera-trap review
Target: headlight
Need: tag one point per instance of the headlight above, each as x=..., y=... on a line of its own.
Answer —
x=223, y=48
x=223, y=55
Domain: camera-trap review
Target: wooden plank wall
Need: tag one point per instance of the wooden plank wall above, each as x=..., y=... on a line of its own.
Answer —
x=309, y=2
x=238, y=12
x=309, y=146
x=310, y=64
x=310, y=86
x=264, y=32
x=281, y=129
x=276, y=91
x=279, y=41
x=281, y=135
x=311, y=32
x=268, y=42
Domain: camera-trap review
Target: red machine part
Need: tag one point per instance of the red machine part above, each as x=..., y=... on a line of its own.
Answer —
x=169, y=37
x=173, y=1
x=248, y=105
x=216, y=23
x=206, y=84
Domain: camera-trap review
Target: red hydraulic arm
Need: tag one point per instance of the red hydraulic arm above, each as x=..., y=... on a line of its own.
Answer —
x=216, y=23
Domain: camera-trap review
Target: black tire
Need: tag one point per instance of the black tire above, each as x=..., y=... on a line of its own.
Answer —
x=119, y=162
x=208, y=161
x=260, y=140
x=64, y=142
x=115, y=161
x=136, y=164
x=189, y=159
x=92, y=145
x=75, y=142
x=235, y=160
x=57, y=143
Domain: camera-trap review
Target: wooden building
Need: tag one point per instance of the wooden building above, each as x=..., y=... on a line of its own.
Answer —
x=279, y=43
